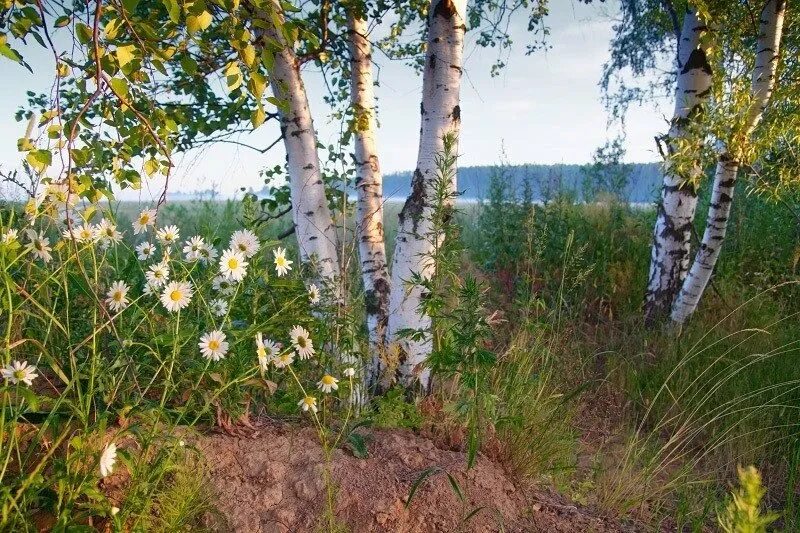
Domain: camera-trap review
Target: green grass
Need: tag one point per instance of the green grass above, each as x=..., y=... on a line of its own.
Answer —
x=566, y=281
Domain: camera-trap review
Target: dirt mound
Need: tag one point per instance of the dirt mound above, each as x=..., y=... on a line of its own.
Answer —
x=274, y=482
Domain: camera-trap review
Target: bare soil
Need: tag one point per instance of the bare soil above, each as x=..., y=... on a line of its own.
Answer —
x=273, y=481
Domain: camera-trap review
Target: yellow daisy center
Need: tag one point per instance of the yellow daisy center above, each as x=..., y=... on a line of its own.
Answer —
x=19, y=374
x=327, y=380
x=118, y=296
x=175, y=295
x=233, y=263
x=144, y=219
x=213, y=344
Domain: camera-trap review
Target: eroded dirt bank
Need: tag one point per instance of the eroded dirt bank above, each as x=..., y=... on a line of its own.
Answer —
x=273, y=481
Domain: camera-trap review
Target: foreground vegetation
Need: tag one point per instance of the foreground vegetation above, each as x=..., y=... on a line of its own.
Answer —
x=536, y=320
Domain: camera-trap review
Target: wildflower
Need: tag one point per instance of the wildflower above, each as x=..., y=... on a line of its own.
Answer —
x=117, y=296
x=349, y=372
x=158, y=274
x=232, y=265
x=266, y=350
x=302, y=342
x=20, y=371
x=56, y=193
x=168, y=235
x=246, y=242
x=308, y=403
x=282, y=265
x=145, y=219
x=145, y=251
x=223, y=285
x=149, y=289
x=10, y=236
x=213, y=345
x=84, y=233
x=114, y=511
x=39, y=246
x=192, y=248
x=108, y=459
x=328, y=384
x=283, y=360
x=107, y=233
x=219, y=307
x=206, y=254
x=313, y=294
x=177, y=295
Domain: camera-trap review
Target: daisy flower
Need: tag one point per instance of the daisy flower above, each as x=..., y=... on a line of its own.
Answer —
x=39, y=246
x=145, y=219
x=84, y=233
x=158, y=274
x=223, y=285
x=168, y=235
x=145, y=251
x=328, y=384
x=282, y=265
x=246, y=242
x=20, y=372
x=283, y=360
x=150, y=289
x=108, y=459
x=232, y=265
x=192, y=247
x=267, y=350
x=309, y=403
x=177, y=295
x=219, y=307
x=117, y=296
x=302, y=342
x=207, y=254
x=107, y=233
x=349, y=372
x=10, y=236
x=213, y=345
x=313, y=294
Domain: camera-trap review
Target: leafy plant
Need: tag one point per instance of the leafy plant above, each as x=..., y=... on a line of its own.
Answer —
x=743, y=512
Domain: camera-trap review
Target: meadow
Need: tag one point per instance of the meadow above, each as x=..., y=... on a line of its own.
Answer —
x=563, y=386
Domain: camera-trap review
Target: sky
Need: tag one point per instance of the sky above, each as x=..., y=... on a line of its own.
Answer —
x=544, y=108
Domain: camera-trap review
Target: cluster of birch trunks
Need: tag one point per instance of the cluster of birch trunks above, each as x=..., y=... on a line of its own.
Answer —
x=676, y=281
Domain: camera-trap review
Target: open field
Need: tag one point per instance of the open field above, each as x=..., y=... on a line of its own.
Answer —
x=635, y=426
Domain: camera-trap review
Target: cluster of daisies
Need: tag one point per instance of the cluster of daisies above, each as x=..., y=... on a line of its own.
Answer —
x=270, y=352
x=104, y=234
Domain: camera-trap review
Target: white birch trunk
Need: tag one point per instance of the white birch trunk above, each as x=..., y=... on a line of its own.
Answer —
x=441, y=116
x=669, y=260
x=369, y=188
x=763, y=83
x=314, y=227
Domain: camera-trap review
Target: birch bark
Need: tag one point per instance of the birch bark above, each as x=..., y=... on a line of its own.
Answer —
x=369, y=188
x=314, y=226
x=440, y=117
x=762, y=85
x=669, y=259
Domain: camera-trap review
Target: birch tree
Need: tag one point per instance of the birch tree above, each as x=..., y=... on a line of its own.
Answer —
x=314, y=226
x=440, y=116
x=369, y=189
x=669, y=258
x=764, y=75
